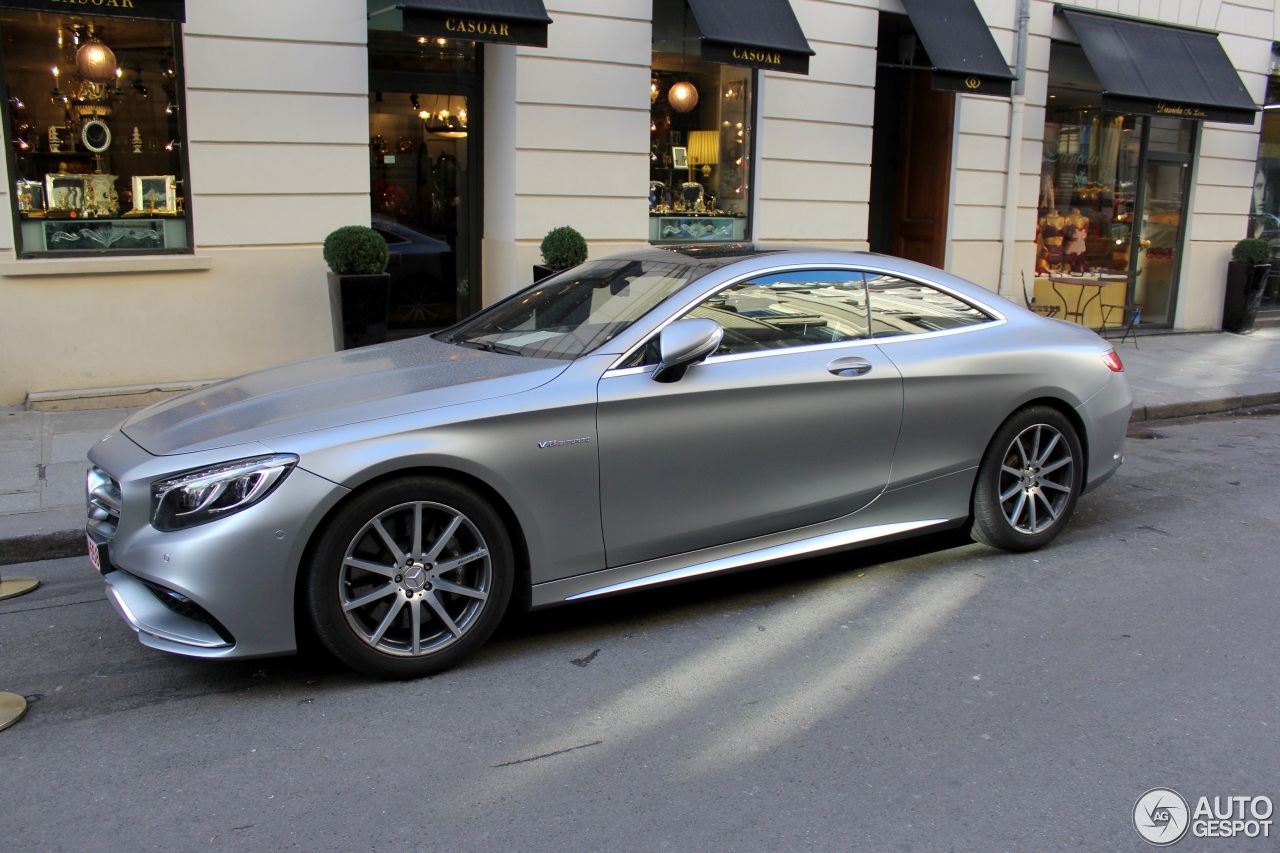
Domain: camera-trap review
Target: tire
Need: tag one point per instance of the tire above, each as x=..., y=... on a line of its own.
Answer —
x=409, y=578
x=1029, y=480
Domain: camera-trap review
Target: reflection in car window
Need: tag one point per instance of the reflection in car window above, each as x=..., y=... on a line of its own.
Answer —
x=575, y=312
x=790, y=309
x=902, y=307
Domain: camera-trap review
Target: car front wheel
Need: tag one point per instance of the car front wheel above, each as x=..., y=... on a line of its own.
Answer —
x=409, y=578
x=1029, y=480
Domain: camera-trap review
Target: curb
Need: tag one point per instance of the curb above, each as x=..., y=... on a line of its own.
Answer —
x=1165, y=411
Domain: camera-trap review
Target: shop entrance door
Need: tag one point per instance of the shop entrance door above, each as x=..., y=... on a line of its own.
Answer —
x=1162, y=207
x=910, y=153
x=419, y=147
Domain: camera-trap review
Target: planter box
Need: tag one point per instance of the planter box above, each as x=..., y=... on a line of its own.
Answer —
x=358, y=305
x=1245, y=284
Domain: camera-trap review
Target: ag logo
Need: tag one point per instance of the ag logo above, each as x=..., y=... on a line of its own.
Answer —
x=972, y=83
x=1161, y=817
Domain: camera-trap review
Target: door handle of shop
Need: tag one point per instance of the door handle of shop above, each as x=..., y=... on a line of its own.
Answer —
x=849, y=366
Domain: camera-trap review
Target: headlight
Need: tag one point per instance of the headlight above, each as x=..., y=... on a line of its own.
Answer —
x=209, y=494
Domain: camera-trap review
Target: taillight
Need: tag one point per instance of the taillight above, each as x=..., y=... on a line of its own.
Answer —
x=1112, y=361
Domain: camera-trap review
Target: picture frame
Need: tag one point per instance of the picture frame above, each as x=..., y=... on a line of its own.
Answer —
x=679, y=157
x=64, y=194
x=30, y=196
x=154, y=194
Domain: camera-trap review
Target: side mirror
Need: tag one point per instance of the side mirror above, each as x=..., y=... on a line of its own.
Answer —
x=683, y=343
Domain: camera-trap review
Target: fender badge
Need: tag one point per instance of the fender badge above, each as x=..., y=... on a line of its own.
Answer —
x=560, y=442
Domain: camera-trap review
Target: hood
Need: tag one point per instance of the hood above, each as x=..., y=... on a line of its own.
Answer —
x=333, y=390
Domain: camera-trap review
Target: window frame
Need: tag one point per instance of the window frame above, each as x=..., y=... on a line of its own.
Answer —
x=182, y=172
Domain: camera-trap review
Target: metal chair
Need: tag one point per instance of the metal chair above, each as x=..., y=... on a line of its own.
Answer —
x=1043, y=310
x=1131, y=317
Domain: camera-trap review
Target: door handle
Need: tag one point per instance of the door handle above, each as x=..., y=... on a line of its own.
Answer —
x=849, y=366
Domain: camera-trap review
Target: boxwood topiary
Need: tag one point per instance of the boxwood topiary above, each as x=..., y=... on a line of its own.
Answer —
x=1251, y=250
x=563, y=247
x=355, y=250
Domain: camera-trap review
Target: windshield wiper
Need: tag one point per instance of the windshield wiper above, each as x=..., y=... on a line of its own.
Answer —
x=489, y=346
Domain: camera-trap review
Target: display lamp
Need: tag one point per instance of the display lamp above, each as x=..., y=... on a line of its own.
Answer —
x=683, y=96
x=96, y=63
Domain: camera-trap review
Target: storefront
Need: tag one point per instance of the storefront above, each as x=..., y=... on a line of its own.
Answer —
x=702, y=95
x=1264, y=201
x=1123, y=115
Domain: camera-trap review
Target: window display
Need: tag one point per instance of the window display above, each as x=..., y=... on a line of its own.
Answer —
x=700, y=138
x=95, y=132
x=1264, y=205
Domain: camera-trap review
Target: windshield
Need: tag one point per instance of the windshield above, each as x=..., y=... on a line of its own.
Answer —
x=575, y=312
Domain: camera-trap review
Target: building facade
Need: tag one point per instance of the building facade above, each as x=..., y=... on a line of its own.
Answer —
x=165, y=205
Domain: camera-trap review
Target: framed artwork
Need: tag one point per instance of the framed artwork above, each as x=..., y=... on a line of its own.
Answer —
x=30, y=195
x=64, y=193
x=154, y=194
x=679, y=156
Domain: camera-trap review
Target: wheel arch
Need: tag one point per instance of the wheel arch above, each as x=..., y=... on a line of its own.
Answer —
x=521, y=593
x=1063, y=408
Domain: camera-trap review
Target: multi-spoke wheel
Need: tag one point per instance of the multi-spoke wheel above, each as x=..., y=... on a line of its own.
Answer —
x=409, y=578
x=1028, y=481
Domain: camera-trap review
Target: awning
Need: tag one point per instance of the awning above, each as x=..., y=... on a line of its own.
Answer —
x=502, y=21
x=1160, y=69
x=152, y=10
x=961, y=49
x=761, y=34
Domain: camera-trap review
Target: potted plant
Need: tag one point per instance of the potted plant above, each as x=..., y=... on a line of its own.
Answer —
x=1246, y=279
x=562, y=248
x=359, y=285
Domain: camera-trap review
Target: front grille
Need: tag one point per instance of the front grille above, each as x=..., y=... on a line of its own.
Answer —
x=184, y=606
x=102, y=503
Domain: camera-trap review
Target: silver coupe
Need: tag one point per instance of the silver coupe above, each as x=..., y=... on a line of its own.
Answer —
x=644, y=419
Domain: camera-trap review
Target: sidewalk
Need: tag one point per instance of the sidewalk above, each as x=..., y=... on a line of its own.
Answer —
x=42, y=454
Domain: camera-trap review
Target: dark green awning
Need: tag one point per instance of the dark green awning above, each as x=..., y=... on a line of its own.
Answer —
x=1161, y=69
x=153, y=10
x=501, y=21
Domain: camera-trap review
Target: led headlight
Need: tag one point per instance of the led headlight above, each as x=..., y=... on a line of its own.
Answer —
x=209, y=494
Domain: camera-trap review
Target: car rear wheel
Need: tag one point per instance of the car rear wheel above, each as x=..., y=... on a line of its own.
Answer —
x=409, y=578
x=1029, y=480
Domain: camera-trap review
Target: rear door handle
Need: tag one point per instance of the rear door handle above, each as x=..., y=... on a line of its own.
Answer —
x=849, y=366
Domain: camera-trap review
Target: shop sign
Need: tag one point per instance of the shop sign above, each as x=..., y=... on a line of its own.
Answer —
x=767, y=59
x=1175, y=109
x=158, y=10
x=432, y=25
x=972, y=84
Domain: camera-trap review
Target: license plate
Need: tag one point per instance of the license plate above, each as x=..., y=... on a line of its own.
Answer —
x=97, y=553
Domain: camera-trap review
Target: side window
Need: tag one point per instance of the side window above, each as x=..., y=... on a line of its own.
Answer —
x=902, y=307
x=789, y=310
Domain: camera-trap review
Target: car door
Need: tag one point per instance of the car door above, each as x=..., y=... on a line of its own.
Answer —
x=793, y=421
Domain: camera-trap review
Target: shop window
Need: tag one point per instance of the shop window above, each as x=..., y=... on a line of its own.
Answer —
x=1264, y=207
x=94, y=127
x=700, y=137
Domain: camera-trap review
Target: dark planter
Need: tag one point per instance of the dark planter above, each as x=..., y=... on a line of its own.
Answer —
x=358, y=304
x=1245, y=284
x=540, y=272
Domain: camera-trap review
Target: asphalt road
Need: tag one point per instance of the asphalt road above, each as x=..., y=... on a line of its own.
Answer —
x=937, y=697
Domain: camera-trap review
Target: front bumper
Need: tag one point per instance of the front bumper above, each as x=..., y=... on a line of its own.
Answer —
x=223, y=589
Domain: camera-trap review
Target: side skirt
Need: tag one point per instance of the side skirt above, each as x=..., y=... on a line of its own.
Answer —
x=933, y=505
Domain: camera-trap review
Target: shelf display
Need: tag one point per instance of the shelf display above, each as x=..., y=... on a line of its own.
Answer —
x=95, y=128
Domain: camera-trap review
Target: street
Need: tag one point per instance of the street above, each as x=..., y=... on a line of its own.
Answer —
x=930, y=696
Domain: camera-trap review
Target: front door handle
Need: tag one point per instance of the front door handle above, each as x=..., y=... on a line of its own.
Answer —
x=849, y=366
